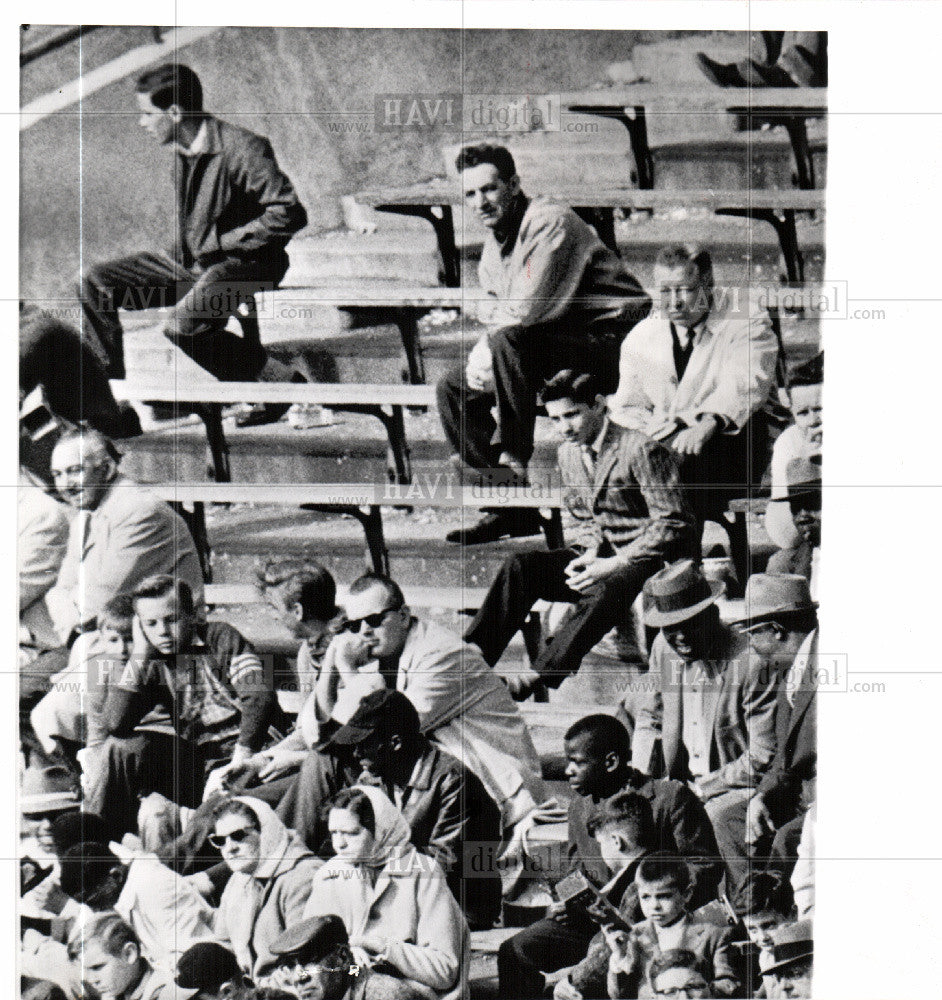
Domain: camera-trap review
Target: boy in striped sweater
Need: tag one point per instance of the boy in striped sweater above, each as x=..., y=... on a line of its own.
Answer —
x=193, y=696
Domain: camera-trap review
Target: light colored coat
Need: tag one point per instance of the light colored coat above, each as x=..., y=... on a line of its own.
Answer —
x=558, y=266
x=466, y=709
x=130, y=536
x=167, y=913
x=739, y=715
x=730, y=373
x=255, y=909
x=402, y=898
x=42, y=532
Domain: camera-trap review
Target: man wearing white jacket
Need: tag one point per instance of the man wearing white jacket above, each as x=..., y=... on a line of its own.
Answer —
x=464, y=707
x=694, y=375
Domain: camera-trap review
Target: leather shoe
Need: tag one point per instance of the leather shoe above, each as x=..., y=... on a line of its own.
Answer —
x=129, y=423
x=515, y=523
x=723, y=75
x=766, y=76
x=259, y=414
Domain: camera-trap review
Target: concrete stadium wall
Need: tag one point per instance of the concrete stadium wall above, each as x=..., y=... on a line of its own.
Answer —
x=94, y=185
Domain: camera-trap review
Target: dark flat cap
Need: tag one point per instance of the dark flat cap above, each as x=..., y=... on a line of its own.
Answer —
x=207, y=965
x=383, y=711
x=311, y=940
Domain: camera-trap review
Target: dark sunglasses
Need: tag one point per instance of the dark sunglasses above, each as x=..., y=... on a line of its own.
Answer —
x=374, y=620
x=218, y=840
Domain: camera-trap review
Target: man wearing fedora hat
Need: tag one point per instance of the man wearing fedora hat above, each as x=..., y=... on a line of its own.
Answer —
x=46, y=794
x=794, y=959
x=714, y=705
x=803, y=478
x=782, y=627
x=315, y=962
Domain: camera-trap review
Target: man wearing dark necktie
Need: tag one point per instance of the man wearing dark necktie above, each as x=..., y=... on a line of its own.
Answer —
x=628, y=515
x=694, y=375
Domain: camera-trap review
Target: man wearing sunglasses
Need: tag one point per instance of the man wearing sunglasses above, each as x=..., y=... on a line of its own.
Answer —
x=464, y=708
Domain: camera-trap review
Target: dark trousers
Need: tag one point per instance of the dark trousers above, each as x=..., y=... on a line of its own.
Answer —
x=545, y=946
x=203, y=301
x=803, y=54
x=725, y=469
x=36, y=677
x=124, y=769
x=538, y=574
x=778, y=851
x=73, y=378
x=191, y=851
x=524, y=358
x=301, y=808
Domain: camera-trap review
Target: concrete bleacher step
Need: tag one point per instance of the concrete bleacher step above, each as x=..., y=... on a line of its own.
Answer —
x=379, y=256
x=732, y=163
x=705, y=156
x=352, y=455
x=244, y=538
x=374, y=353
x=546, y=160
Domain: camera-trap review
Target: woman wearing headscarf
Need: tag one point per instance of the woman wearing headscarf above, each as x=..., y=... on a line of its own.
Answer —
x=271, y=880
x=398, y=910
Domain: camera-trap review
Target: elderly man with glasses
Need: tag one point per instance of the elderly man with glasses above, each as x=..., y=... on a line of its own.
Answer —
x=782, y=626
x=315, y=962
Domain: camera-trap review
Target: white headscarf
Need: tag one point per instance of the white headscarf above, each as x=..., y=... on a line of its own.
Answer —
x=280, y=850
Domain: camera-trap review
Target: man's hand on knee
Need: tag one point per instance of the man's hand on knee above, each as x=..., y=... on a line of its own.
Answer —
x=691, y=441
x=589, y=570
x=522, y=683
x=479, y=372
x=758, y=820
x=564, y=990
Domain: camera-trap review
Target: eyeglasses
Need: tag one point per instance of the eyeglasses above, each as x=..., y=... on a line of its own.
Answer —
x=300, y=972
x=374, y=620
x=761, y=627
x=683, y=992
x=219, y=840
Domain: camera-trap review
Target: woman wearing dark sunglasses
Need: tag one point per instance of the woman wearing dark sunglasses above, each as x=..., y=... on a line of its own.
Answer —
x=270, y=882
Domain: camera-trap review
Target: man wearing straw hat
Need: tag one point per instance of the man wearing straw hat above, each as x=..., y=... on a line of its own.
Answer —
x=715, y=702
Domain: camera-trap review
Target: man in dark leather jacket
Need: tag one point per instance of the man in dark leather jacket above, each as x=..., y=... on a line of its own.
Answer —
x=235, y=212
